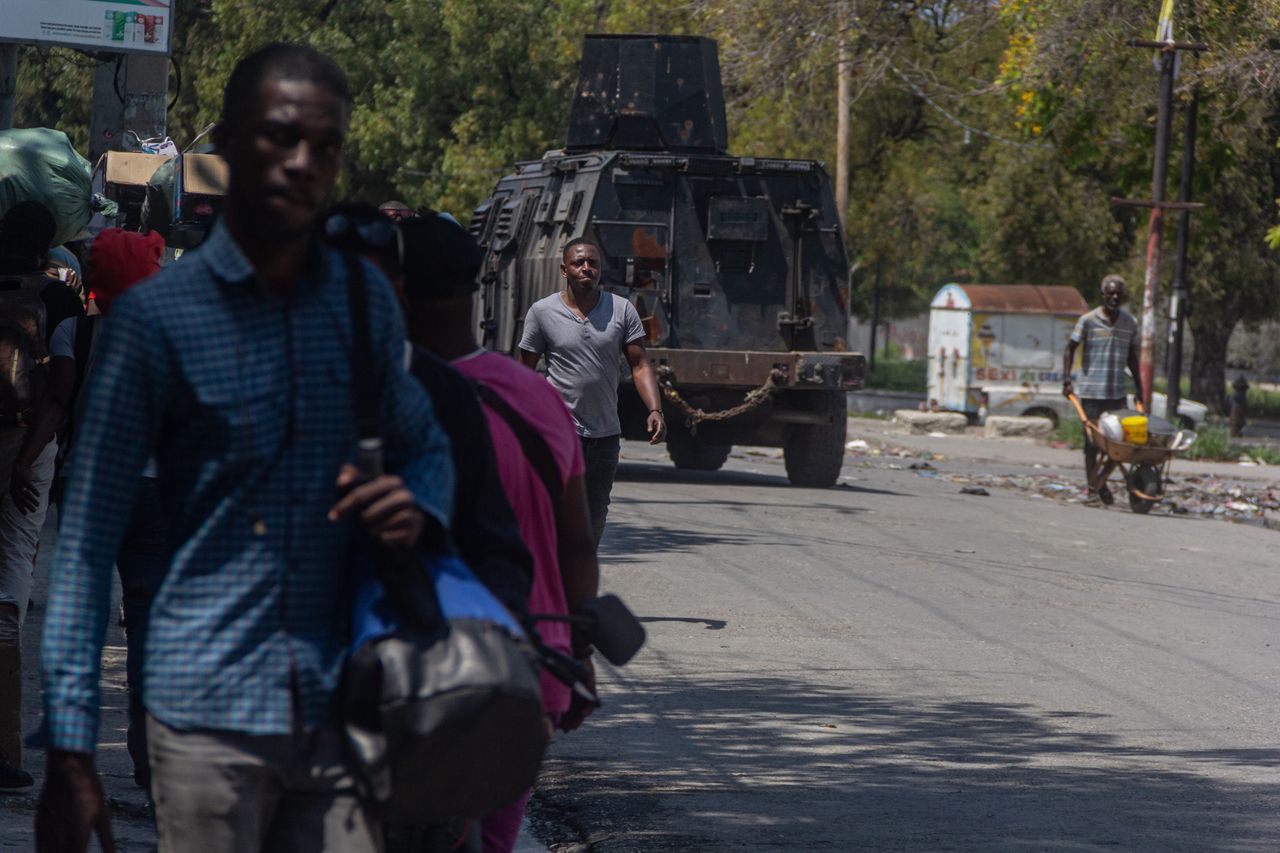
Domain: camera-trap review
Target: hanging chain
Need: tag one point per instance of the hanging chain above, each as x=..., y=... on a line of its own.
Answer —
x=694, y=416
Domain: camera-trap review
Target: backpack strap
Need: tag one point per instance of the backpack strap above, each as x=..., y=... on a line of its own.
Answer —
x=86, y=329
x=531, y=442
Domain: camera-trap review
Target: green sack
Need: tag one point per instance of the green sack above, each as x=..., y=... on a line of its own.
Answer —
x=41, y=165
x=157, y=207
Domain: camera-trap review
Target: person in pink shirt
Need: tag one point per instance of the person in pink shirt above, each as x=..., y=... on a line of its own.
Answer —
x=539, y=457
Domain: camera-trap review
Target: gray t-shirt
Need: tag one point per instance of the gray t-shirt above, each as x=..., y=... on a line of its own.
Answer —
x=1104, y=353
x=584, y=357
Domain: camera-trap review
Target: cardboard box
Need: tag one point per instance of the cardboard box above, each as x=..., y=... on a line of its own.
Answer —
x=204, y=174
x=129, y=169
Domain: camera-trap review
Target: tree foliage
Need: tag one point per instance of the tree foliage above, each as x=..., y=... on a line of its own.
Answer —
x=988, y=136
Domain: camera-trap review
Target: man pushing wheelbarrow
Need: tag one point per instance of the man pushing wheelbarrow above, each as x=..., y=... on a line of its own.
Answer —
x=1109, y=335
x=1136, y=445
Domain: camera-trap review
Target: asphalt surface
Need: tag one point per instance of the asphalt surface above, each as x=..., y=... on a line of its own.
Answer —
x=893, y=665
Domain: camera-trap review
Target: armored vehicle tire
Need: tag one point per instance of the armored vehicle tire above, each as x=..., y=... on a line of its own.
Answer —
x=814, y=453
x=690, y=453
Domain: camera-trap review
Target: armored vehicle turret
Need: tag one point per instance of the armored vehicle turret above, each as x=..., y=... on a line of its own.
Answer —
x=736, y=265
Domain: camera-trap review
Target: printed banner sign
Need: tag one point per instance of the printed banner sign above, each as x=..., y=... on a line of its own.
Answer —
x=117, y=26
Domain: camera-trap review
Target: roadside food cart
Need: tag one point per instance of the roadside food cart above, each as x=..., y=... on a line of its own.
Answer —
x=997, y=348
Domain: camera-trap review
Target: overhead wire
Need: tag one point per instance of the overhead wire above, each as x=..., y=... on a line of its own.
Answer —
x=956, y=120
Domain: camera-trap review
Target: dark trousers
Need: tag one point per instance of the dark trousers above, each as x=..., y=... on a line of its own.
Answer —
x=142, y=563
x=1093, y=409
x=600, y=456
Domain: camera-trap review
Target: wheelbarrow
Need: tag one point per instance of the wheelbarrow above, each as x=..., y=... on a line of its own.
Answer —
x=1145, y=467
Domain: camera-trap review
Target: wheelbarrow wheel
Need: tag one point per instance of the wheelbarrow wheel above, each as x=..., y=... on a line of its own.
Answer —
x=1145, y=479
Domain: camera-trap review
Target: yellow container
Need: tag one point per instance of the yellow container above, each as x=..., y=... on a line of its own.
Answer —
x=1135, y=429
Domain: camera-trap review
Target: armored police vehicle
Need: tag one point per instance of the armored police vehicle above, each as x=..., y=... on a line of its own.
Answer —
x=736, y=265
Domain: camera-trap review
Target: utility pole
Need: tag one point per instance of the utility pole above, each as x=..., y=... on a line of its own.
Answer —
x=8, y=83
x=875, y=319
x=130, y=93
x=1155, y=229
x=843, y=85
x=1155, y=225
x=1177, y=303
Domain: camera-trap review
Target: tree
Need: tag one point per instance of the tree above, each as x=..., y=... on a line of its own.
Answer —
x=1095, y=100
x=987, y=136
x=921, y=92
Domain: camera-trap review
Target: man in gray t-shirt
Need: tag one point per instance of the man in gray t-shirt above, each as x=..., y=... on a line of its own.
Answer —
x=583, y=332
x=1109, y=335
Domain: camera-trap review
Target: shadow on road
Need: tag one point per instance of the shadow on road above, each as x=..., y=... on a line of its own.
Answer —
x=656, y=472
x=780, y=763
x=625, y=542
x=652, y=472
x=712, y=624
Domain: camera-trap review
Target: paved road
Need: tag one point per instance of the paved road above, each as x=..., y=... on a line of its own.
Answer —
x=890, y=665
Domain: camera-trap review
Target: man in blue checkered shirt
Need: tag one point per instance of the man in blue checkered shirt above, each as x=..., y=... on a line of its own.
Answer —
x=233, y=367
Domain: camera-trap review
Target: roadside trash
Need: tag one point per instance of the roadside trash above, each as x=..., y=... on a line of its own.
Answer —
x=1203, y=496
x=937, y=435
x=974, y=490
x=856, y=444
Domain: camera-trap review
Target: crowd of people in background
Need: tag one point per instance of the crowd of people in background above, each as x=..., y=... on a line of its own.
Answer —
x=199, y=414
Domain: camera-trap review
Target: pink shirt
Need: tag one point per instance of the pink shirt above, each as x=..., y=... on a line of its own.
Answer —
x=542, y=407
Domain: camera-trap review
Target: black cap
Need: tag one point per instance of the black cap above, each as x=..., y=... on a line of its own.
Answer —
x=441, y=259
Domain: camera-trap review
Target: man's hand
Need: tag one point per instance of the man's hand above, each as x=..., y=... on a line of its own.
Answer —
x=1067, y=388
x=657, y=427
x=579, y=708
x=72, y=806
x=26, y=497
x=384, y=506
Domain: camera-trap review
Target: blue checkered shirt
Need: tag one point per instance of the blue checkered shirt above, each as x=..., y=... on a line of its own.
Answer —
x=245, y=399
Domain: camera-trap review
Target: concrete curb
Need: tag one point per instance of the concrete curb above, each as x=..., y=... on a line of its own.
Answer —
x=1005, y=426
x=951, y=423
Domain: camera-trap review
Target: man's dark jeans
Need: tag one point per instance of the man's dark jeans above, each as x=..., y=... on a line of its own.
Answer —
x=1093, y=409
x=600, y=456
x=142, y=563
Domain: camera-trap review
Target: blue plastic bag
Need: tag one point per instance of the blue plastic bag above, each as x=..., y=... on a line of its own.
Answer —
x=459, y=592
